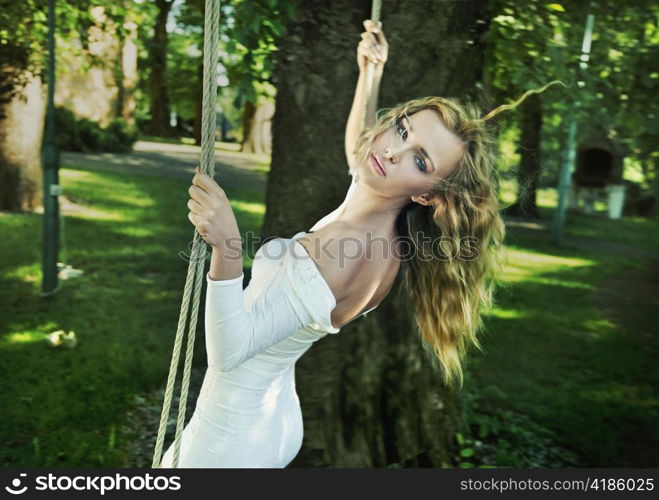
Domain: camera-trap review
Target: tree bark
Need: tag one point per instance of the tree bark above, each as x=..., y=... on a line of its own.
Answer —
x=259, y=140
x=127, y=77
x=199, y=102
x=159, y=123
x=654, y=210
x=369, y=395
x=21, y=133
x=249, y=110
x=119, y=77
x=528, y=174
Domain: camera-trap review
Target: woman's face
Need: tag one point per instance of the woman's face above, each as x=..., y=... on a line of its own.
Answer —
x=414, y=154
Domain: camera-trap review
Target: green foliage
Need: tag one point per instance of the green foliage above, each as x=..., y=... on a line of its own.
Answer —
x=505, y=438
x=531, y=43
x=24, y=30
x=81, y=134
x=183, y=64
x=252, y=39
x=22, y=36
x=249, y=34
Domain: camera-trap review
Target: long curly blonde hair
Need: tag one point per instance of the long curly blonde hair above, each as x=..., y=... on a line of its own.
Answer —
x=456, y=243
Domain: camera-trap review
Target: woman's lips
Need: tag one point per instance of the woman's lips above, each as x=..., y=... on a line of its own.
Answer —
x=377, y=167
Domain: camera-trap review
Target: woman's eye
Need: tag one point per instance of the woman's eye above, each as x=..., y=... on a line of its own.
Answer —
x=402, y=131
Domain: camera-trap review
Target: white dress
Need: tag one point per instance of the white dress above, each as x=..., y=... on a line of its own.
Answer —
x=248, y=413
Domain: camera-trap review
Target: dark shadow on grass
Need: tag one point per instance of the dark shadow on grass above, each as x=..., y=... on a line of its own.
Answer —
x=569, y=368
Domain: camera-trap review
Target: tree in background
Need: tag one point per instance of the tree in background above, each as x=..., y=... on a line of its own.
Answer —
x=127, y=15
x=22, y=39
x=249, y=32
x=624, y=85
x=534, y=43
x=252, y=38
x=23, y=31
x=159, y=98
x=526, y=49
x=185, y=67
x=97, y=74
x=91, y=36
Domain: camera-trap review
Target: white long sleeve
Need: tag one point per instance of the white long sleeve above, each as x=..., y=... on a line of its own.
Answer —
x=285, y=294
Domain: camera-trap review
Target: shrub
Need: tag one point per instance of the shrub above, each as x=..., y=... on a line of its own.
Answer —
x=87, y=136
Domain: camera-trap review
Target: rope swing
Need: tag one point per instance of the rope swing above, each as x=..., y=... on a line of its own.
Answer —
x=376, y=7
x=198, y=253
x=195, y=276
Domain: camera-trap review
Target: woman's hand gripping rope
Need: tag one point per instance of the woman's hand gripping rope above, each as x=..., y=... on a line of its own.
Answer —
x=211, y=212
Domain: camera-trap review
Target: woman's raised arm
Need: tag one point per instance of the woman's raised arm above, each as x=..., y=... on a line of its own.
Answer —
x=373, y=47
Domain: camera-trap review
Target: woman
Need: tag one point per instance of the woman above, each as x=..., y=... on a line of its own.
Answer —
x=424, y=171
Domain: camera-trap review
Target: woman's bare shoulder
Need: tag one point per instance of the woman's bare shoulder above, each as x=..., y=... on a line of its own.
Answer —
x=335, y=249
x=355, y=265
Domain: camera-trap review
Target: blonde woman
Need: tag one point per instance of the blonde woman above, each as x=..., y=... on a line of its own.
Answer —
x=422, y=205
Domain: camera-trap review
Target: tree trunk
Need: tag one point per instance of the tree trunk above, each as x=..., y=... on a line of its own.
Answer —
x=127, y=77
x=199, y=102
x=159, y=124
x=369, y=396
x=249, y=110
x=119, y=77
x=259, y=140
x=529, y=172
x=21, y=133
x=654, y=211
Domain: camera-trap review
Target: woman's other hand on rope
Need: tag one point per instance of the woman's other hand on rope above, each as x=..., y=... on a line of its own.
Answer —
x=211, y=212
x=373, y=47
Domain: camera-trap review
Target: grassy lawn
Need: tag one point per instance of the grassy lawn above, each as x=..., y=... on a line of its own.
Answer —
x=569, y=374
x=562, y=380
x=63, y=407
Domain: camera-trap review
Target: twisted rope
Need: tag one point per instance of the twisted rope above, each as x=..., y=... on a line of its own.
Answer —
x=376, y=8
x=199, y=251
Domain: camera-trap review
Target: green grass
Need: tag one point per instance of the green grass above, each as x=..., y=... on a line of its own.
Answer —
x=64, y=407
x=569, y=350
x=554, y=357
x=632, y=231
x=561, y=382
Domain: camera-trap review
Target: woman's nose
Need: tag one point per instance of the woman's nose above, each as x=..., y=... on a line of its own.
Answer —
x=390, y=155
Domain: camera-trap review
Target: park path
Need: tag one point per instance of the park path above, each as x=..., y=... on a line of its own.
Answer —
x=174, y=161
